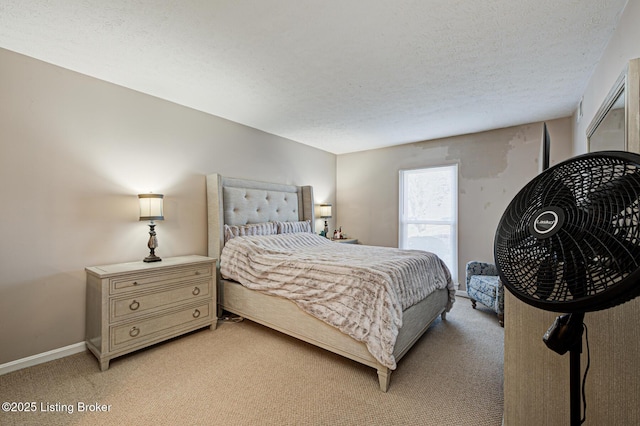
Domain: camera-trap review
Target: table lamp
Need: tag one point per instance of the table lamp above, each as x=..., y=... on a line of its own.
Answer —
x=151, y=209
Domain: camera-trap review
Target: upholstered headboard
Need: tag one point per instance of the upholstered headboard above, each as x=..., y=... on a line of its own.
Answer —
x=239, y=202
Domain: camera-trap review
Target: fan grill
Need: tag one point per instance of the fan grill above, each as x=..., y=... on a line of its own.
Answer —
x=595, y=246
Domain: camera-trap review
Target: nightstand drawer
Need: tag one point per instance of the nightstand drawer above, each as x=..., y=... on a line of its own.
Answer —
x=141, y=281
x=133, y=306
x=138, y=332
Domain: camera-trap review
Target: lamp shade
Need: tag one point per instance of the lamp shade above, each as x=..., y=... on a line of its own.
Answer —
x=151, y=206
x=325, y=211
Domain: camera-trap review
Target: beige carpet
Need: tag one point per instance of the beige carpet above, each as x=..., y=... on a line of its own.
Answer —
x=245, y=374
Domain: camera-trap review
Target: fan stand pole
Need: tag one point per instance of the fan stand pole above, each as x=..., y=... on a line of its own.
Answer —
x=574, y=382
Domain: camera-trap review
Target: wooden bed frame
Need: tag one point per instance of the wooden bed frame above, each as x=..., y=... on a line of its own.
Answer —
x=281, y=314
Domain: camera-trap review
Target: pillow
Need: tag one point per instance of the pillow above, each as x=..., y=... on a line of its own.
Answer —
x=292, y=227
x=265, y=228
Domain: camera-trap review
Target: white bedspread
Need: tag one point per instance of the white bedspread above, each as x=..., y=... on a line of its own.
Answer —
x=361, y=290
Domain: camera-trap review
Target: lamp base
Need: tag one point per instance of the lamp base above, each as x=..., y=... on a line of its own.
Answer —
x=152, y=244
x=153, y=258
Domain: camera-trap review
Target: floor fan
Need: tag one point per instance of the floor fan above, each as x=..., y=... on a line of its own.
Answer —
x=570, y=242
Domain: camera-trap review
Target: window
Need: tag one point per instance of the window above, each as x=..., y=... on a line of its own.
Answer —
x=429, y=212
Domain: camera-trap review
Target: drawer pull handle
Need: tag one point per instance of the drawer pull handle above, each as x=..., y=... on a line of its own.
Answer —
x=196, y=313
x=196, y=291
x=134, y=305
x=134, y=331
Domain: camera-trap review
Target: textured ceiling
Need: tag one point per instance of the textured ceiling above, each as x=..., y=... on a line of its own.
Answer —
x=342, y=75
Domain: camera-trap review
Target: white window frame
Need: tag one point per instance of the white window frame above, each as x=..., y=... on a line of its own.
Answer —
x=405, y=221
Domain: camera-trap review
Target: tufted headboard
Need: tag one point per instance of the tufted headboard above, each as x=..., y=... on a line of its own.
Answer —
x=239, y=202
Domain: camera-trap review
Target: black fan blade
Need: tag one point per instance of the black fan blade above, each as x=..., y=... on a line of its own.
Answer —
x=623, y=188
x=558, y=193
x=545, y=279
x=575, y=276
x=603, y=230
x=620, y=255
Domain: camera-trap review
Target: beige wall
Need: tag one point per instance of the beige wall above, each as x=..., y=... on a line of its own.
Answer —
x=622, y=47
x=492, y=167
x=74, y=152
x=536, y=379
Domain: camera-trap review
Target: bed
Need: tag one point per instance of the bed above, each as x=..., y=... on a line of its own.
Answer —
x=239, y=204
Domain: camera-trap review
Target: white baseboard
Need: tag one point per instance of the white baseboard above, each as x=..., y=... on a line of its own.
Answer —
x=30, y=361
x=462, y=293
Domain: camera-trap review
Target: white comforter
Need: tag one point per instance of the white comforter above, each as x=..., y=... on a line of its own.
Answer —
x=361, y=290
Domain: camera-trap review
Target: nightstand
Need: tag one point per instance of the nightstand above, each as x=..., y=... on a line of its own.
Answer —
x=346, y=240
x=134, y=305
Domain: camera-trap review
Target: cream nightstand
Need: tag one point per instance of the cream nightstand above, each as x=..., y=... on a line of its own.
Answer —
x=134, y=305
